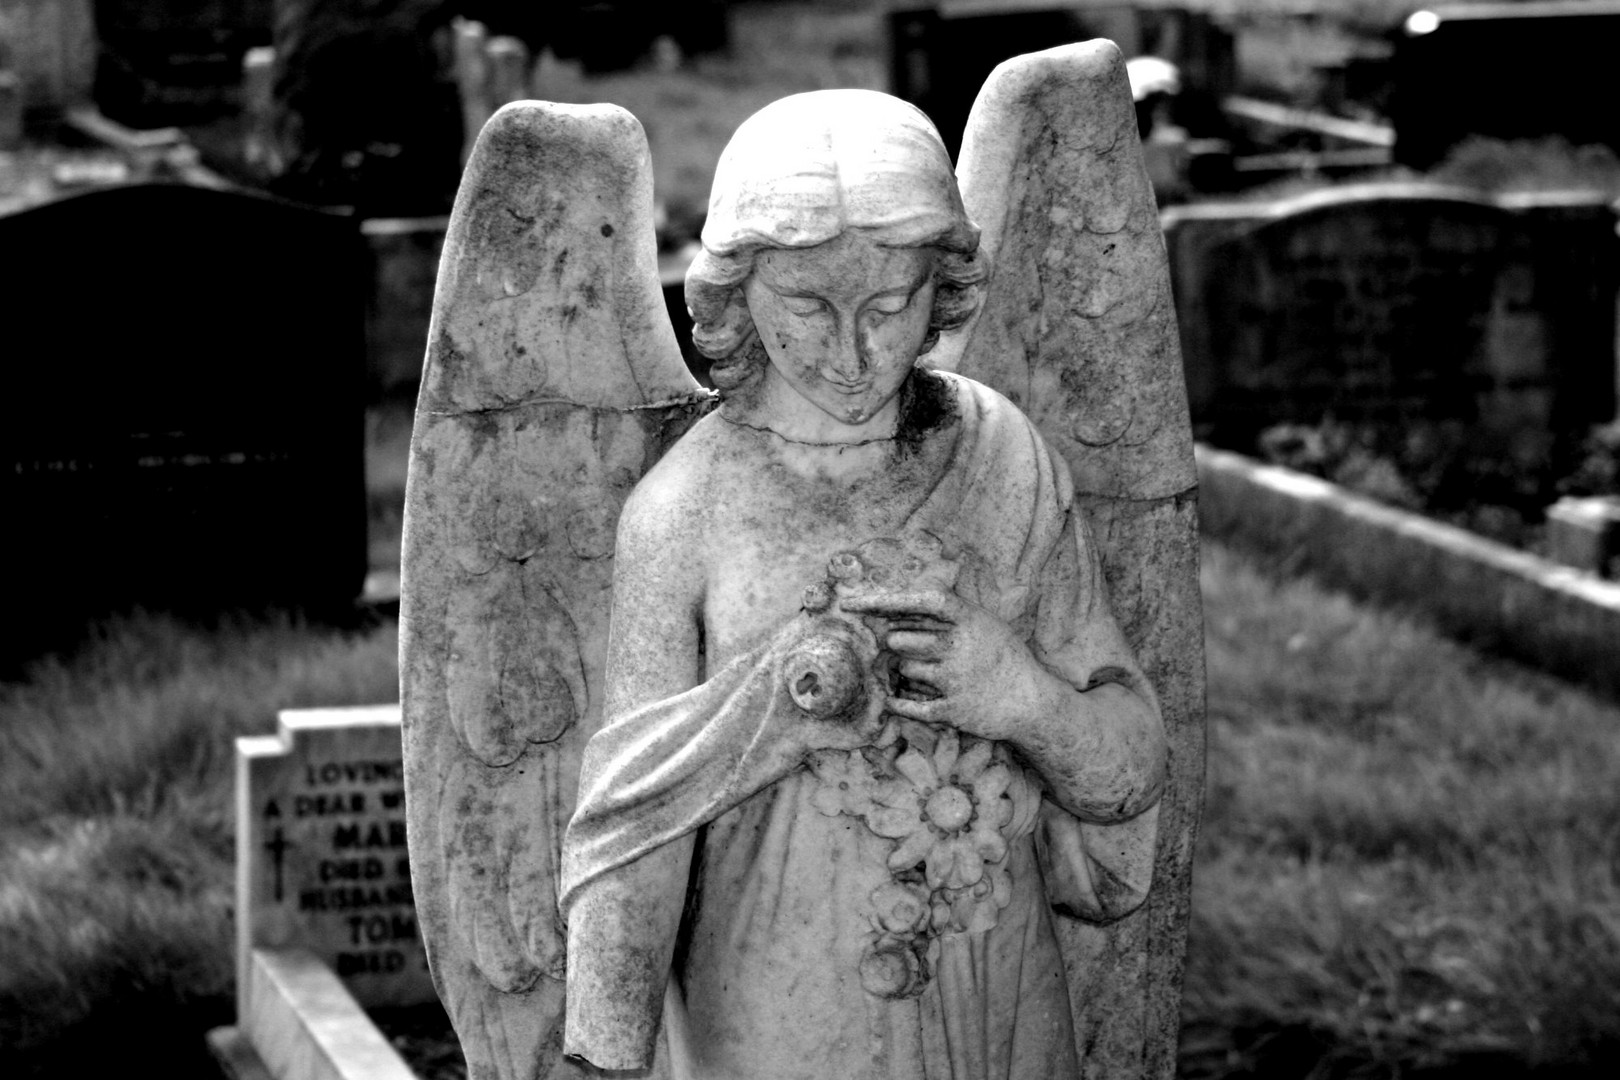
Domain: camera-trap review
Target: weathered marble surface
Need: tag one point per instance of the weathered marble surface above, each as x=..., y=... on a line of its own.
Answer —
x=1079, y=330
x=872, y=758
x=552, y=381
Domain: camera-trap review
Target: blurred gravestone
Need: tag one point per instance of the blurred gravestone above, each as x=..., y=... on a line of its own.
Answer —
x=940, y=52
x=1508, y=71
x=1395, y=302
x=51, y=46
x=611, y=35
x=320, y=851
x=366, y=109
x=164, y=62
x=1584, y=532
x=186, y=422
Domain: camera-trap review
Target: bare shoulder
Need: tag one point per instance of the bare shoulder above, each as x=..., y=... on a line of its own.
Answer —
x=667, y=515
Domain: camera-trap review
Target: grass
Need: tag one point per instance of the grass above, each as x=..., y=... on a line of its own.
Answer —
x=116, y=843
x=1409, y=854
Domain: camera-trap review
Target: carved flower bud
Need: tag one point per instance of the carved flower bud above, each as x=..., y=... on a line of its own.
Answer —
x=823, y=675
x=818, y=597
x=890, y=969
x=901, y=908
x=845, y=566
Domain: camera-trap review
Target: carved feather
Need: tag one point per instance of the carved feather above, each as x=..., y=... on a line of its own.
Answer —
x=1078, y=330
x=552, y=383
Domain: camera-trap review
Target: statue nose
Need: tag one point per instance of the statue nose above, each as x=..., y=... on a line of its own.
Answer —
x=847, y=366
x=848, y=358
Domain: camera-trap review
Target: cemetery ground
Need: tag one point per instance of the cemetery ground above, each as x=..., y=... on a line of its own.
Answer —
x=1407, y=863
x=1410, y=855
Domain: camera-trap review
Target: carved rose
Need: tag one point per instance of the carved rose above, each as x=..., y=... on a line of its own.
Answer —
x=893, y=967
x=901, y=907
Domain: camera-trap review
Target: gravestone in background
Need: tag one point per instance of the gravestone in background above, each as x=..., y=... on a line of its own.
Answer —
x=320, y=852
x=1395, y=302
x=52, y=48
x=1509, y=71
x=941, y=51
x=163, y=62
x=366, y=110
x=185, y=423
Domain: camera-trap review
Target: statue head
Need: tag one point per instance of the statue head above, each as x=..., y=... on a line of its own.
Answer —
x=807, y=171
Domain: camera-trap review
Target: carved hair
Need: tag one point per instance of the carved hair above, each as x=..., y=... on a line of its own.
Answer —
x=802, y=171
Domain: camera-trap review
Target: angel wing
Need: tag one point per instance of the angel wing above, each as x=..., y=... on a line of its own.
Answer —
x=552, y=383
x=1079, y=331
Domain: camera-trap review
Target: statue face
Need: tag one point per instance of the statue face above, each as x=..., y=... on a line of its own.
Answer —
x=843, y=323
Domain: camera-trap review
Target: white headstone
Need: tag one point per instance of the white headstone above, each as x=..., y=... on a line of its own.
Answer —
x=320, y=851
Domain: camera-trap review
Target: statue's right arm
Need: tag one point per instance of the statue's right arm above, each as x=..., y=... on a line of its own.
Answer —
x=655, y=643
x=622, y=933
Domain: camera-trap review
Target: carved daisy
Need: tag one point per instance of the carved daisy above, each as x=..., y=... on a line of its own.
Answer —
x=946, y=808
x=847, y=780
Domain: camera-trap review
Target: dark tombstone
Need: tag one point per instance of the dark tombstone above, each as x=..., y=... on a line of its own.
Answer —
x=940, y=52
x=366, y=110
x=611, y=35
x=165, y=62
x=938, y=61
x=1508, y=71
x=186, y=423
x=1398, y=302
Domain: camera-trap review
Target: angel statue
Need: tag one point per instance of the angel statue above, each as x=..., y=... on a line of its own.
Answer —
x=789, y=731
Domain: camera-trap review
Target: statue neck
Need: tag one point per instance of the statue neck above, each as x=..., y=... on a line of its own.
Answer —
x=772, y=405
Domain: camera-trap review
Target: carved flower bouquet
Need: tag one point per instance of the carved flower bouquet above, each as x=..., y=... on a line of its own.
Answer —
x=950, y=801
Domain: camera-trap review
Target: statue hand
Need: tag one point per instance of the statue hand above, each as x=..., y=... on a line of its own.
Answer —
x=983, y=678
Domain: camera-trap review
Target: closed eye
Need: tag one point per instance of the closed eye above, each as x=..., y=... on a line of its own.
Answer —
x=804, y=305
x=889, y=305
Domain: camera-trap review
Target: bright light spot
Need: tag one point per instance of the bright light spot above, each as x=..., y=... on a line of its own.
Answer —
x=1422, y=22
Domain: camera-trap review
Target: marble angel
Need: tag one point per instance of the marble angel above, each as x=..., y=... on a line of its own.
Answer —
x=789, y=731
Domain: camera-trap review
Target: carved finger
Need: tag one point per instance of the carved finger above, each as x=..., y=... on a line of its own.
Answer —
x=931, y=712
x=930, y=603
x=918, y=644
x=925, y=671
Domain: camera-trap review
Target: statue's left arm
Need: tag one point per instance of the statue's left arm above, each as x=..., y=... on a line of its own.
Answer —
x=1072, y=700
x=1092, y=728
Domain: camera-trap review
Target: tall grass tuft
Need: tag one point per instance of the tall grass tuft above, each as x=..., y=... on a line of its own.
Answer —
x=1410, y=854
x=116, y=830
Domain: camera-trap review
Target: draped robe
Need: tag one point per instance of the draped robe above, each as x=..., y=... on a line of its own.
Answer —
x=778, y=909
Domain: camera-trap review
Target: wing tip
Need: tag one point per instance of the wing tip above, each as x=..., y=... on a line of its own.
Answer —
x=1097, y=60
x=522, y=128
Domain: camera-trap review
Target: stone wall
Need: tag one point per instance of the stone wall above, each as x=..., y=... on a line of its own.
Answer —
x=1496, y=597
